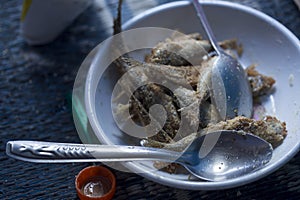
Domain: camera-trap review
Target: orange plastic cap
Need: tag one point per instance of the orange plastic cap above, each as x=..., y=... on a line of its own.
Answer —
x=95, y=183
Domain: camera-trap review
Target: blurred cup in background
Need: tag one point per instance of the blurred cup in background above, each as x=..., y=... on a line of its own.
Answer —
x=43, y=21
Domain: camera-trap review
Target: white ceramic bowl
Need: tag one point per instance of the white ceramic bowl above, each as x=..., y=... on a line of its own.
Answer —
x=266, y=43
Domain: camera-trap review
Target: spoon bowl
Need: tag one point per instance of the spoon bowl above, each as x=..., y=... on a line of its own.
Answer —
x=230, y=88
x=226, y=155
x=217, y=156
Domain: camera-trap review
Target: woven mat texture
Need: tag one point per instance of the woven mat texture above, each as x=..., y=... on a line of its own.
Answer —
x=36, y=83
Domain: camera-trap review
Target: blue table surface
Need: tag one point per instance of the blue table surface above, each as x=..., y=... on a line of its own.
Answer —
x=36, y=84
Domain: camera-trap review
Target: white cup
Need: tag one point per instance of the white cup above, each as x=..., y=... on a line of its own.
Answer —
x=43, y=21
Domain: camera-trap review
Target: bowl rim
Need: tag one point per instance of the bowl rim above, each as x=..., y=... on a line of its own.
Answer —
x=185, y=184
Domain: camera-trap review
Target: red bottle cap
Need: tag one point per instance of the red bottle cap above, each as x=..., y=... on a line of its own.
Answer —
x=95, y=183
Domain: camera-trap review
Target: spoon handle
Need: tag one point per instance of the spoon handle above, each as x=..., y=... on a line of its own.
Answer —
x=206, y=26
x=50, y=152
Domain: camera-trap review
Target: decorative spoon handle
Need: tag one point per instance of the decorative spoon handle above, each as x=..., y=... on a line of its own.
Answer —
x=49, y=152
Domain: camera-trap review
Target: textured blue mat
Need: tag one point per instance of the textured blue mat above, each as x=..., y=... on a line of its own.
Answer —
x=35, y=83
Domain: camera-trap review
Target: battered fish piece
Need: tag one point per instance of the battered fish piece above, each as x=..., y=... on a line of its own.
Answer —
x=270, y=129
x=187, y=50
x=179, y=51
x=139, y=73
x=260, y=84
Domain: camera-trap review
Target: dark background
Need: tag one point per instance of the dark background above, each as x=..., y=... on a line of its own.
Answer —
x=35, y=89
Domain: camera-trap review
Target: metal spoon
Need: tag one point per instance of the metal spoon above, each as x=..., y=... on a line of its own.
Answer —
x=216, y=156
x=231, y=91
